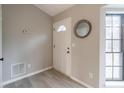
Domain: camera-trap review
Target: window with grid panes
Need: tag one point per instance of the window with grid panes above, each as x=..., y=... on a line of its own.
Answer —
x=113, y=55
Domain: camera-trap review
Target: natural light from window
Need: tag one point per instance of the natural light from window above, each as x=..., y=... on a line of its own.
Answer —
x=113, y=48
x=61, y=28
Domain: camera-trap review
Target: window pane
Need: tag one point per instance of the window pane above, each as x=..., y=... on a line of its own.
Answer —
x=108, y=21
x=116, y=46
x=117, y=59
x=61, y=28
x=116, y=33
x=108, y=73
x=117, y=73
x=116, y=20
x=108, y=33
x=113, y=60
x=108, y=45
x=108, y=59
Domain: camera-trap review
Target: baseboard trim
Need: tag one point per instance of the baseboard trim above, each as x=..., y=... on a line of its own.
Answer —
x=81, y=82
x=25, y=76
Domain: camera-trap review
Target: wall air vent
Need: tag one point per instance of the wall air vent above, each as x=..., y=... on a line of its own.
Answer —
x=18, y=69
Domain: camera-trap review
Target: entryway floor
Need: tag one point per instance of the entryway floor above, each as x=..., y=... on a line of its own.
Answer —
x=47, y=79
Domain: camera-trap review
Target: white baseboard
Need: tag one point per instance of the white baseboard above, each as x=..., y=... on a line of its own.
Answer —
x=25, y=76
x=81, y=82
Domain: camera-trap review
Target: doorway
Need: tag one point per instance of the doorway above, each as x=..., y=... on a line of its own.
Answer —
x=62, y=46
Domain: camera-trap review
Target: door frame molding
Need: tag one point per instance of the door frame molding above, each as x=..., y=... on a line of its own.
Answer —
x=1, y=85
x=101, y=49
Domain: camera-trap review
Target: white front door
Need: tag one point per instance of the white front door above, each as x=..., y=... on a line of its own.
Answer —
x=62, y=46
x=0, y=46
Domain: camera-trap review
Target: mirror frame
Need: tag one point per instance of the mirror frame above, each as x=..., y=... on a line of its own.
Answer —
x=83, y=21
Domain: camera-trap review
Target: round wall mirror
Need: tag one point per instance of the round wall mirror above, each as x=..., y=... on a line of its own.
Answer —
x=83, y=28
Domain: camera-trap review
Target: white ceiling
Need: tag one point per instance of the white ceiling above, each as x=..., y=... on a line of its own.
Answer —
x=53, y=9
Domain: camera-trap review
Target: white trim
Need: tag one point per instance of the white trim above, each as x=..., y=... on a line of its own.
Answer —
x=102, y=49
x=25, y=76
x=81, y=82
x=115, y=12
x=1, y=45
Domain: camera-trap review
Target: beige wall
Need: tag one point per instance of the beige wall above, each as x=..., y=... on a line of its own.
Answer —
x=33, y=47
x=85, y=54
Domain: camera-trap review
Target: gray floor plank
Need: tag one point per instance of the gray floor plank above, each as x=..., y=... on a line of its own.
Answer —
x=47, y=79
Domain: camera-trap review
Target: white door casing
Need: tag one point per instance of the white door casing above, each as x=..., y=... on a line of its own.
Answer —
x=62, y=46
x=0, y=45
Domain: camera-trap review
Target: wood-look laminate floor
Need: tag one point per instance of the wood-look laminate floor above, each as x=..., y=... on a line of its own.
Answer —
x=47, y=79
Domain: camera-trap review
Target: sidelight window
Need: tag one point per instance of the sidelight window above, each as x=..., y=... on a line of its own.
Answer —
x=113, y=55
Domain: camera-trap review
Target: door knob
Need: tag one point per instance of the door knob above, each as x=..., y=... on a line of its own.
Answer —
x=1, y=59
x=68, y=52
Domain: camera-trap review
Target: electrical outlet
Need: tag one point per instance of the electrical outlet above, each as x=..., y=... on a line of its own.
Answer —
x=91, y=75
x=29, y=65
